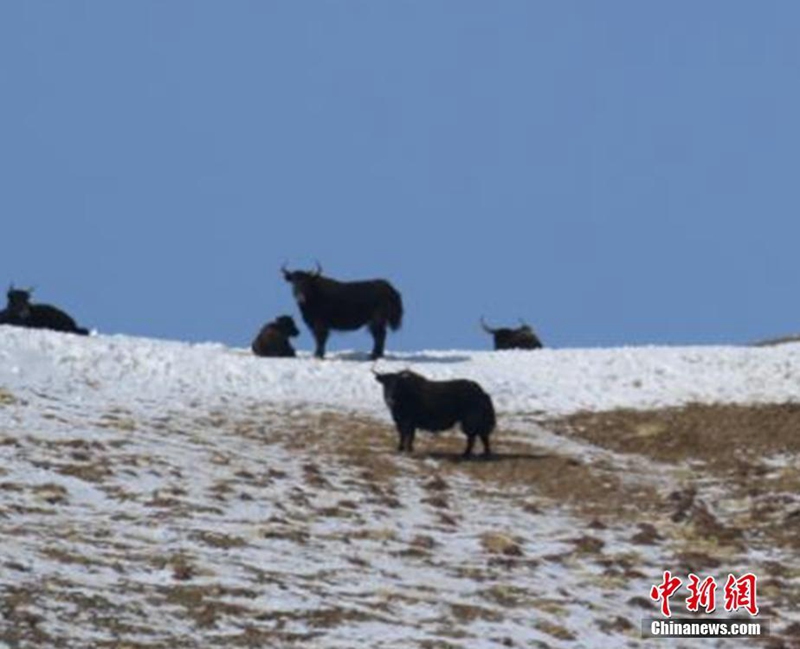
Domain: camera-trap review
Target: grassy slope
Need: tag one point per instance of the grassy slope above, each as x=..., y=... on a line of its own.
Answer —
x=256, y=528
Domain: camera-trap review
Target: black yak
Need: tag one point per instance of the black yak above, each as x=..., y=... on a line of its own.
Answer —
x=327, y=304
x=520, y=338
x=415, y=402
x=273, y=339
x=20, y=312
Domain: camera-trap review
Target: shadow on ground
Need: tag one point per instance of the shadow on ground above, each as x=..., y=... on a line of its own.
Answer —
x=411, y=358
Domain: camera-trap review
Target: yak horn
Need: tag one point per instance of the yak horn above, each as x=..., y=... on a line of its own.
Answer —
x=486, y=327
x=319, y=268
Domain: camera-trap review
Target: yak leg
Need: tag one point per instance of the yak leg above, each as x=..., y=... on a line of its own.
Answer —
x=378, y=331
x=473, y=427
x=402, y=431
x=470, y=444
x=406, y=438
x=486, y=450
x=321, y=337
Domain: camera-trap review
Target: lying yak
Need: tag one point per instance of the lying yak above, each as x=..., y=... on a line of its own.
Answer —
x=415, y=402
x=327, y=304
x=520, y=338
x=273, y=339
x=20, y=312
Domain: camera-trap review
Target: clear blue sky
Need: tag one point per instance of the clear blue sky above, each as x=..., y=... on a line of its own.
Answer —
x=619, y=172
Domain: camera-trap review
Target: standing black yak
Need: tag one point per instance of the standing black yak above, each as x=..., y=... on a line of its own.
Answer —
x=273, y=339
x=520, y=338
x=20, y=312
x=415, y=402
x=327, y=304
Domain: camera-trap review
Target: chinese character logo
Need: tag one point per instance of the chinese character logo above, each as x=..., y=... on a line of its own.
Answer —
x=739, y=593
x=664, y=591
x=701, y=594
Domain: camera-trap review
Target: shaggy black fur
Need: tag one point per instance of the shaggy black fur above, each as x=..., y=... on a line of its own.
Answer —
x=273, y=339
x=20, y=312
x=327, y=304
x=520, y=338
x=415, y=402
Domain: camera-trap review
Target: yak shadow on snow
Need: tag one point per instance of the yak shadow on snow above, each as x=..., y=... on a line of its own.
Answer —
x=478, y=457
x=410, y=358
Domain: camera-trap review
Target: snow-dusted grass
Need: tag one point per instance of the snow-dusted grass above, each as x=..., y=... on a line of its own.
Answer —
x=156, y=493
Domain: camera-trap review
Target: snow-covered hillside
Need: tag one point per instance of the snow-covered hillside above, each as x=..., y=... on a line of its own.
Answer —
x=120, y=369
x=156, y=493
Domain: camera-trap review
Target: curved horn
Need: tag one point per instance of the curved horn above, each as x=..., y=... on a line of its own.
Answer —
x=318, y=272
x=284, y=270
x=486, y=327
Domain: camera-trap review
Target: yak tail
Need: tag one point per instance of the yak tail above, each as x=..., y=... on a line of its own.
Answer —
x=81, y=331
x=394, y=310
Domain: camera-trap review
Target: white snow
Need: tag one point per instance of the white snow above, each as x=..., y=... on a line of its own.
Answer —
x=123, y=369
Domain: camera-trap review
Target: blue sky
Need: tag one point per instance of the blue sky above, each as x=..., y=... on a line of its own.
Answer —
x=615, y=173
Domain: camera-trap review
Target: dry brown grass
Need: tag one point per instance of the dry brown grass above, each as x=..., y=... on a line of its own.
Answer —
x=7, y=398
x=370, y=445
x=725, y=445
x=723, y=437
